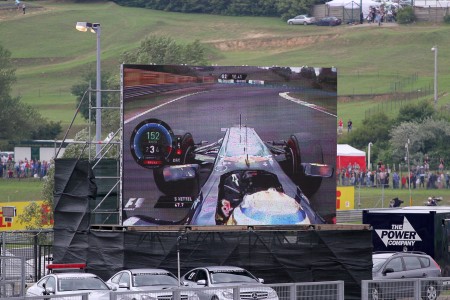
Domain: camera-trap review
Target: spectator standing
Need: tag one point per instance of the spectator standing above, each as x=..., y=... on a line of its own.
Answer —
x=403, y=181
x=349, y=125
x=23, y=8
x=395, y=180
x=447, y=180
x=441, y=165
x=340, y=126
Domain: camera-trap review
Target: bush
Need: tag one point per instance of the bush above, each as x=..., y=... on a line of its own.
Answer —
x=406, y=15
x=447, y=19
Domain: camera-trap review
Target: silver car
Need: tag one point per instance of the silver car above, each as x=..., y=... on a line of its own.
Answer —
x=67, y=284
x=147, y=279
x=404, y=265
x=302, y=20
x=217, y=277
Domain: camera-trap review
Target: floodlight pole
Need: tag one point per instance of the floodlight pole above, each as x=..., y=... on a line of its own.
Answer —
x=98, y=115
x=95, y=28
x=409, y=172
x=435, y=50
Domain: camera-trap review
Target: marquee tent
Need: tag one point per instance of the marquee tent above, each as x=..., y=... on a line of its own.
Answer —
x=350, y=4
x=347, y=154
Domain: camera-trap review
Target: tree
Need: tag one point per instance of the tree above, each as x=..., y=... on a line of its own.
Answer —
x=81, y=89
x=415, y=112
x=406, y=15
x=20, y=121
x=7, y=72
x=164, y=50
x=375, y=129
x=429, y=137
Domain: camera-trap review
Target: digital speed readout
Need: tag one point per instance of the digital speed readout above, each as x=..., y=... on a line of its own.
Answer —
x=151, y=143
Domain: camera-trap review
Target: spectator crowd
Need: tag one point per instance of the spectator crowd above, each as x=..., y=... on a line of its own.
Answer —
x=418, y=177
x=23, y=168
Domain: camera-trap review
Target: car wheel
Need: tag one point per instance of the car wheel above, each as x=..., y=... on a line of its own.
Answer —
x=376, y=293
x=187, y=146
x=430, y=292
x=304, y=149
x=290, y=23
x=305, y=23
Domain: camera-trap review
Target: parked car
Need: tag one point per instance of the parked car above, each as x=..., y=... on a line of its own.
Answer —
x=66, y=284
x=388, y=266
x=302, y=19
x=140, y=280
x=329, y=21
x=228, y=276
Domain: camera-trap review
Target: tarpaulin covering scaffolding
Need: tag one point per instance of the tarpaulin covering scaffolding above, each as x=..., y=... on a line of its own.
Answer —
x=279, y=254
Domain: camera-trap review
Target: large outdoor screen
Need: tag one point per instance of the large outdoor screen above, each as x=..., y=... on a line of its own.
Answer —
x=228, y=145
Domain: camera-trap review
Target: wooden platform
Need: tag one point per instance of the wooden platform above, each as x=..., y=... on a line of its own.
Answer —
x=184, y=228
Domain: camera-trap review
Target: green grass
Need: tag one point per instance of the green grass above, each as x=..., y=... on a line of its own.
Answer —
x=51, y=55
x=31, y=189
x=377, y=197
x=14, y=190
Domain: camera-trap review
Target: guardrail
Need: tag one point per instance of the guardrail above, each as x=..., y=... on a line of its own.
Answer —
x=349, y=216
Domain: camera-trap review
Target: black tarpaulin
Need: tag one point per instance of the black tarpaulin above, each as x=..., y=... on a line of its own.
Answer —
x=279, y=256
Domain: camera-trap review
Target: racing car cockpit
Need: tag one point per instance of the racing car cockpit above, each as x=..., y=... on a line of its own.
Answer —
x=235, y=185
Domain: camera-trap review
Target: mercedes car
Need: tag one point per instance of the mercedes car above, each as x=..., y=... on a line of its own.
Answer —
x=219, y=281
x=66, y=284
x=143, y=280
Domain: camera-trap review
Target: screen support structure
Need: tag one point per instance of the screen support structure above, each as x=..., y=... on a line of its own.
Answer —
x=105, y=146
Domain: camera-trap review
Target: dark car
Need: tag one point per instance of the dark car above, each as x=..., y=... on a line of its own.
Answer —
x=389, y=267
x=329, y=21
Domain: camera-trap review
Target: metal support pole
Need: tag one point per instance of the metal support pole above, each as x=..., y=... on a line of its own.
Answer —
x=98, y=115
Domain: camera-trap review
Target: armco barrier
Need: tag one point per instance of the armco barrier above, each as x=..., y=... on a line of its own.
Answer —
x=423, y=288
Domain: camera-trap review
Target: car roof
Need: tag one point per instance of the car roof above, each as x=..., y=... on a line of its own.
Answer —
x=148, y=270
x=223, y=268
x=74, y=274
x=383, y=255
x=389, y=254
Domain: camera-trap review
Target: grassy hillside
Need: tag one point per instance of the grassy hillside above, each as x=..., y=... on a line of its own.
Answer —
x=50, y=54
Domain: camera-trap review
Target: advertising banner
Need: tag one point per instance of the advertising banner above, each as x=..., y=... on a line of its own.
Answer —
x=9, y=211
x=345, y=197
x=228, y=145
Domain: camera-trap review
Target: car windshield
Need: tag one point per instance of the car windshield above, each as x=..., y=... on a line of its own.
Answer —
x=148, y=279
x=81, y=283
x=377, y=263
x=230, y=276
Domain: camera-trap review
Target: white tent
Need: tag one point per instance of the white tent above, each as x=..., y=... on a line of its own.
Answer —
x=350, y=4
x=347, y=154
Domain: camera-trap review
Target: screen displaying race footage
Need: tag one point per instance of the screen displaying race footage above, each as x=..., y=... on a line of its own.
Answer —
x=228, y=145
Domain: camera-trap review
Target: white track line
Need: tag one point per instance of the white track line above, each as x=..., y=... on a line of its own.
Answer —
x=304, y=103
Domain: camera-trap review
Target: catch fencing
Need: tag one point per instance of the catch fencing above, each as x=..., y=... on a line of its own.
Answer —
x=329, y=290
x=34, y=247
x=420, y=288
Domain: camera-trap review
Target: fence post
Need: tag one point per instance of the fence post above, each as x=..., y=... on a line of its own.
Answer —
x=293, y=292
x=340, y=290
x=417, y=289
x=364, y=289
x=176, y=294
x=236, y=293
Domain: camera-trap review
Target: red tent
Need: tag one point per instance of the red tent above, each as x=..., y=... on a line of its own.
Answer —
x=346, y=154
